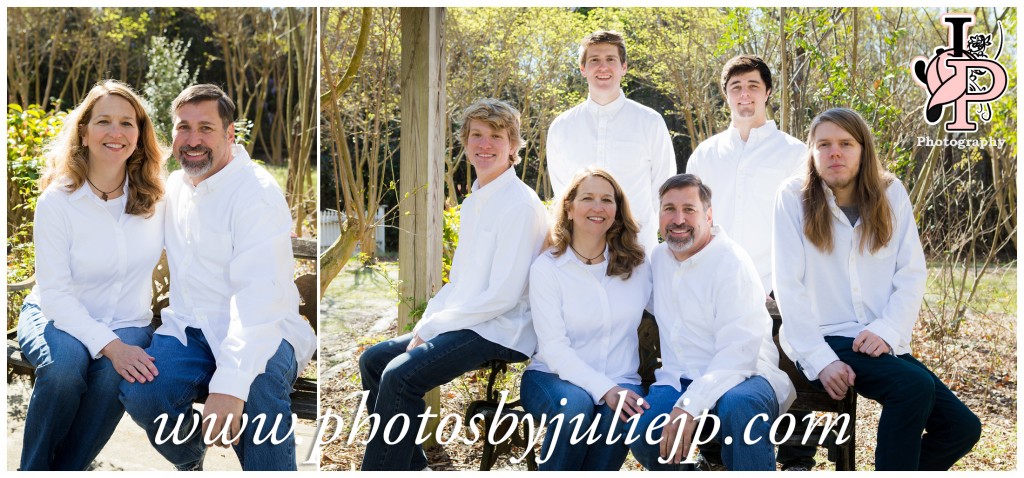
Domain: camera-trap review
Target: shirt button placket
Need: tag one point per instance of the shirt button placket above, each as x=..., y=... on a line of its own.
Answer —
x=602, y=137
x=858, y=299
x=122, y=268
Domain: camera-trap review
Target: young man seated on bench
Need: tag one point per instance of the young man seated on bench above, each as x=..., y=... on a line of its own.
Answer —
x=849, y=278
x=482, y=314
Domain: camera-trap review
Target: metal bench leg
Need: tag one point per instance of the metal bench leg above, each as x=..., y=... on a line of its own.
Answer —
x=488, y=459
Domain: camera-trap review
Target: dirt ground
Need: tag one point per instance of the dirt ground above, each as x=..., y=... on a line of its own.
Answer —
x=359, y=310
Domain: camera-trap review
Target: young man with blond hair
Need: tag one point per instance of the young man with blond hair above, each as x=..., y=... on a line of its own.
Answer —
x=482, y=314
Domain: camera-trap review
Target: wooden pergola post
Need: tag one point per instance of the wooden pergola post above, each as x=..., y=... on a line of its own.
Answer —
x=421, y=153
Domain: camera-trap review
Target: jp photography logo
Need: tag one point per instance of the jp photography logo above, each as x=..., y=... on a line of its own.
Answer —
x=960, y=75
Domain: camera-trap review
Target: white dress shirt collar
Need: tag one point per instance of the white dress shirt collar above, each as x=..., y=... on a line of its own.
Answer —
x=483, y=193
x=85, y=191
x=707, y=253
x=609, y=109
x=764, y=131
x=568, y=257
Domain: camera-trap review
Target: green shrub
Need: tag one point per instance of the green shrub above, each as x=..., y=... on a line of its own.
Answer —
x=28, y=130
x=167, y=75
x=450, y=240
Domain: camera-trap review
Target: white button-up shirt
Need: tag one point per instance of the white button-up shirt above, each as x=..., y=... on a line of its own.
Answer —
x=743, y=177
x=93, y=273
x=230, y=256
x=714, y=327
x=586, y=326
x=848, y=290
x=625, y=138
x=501, y=230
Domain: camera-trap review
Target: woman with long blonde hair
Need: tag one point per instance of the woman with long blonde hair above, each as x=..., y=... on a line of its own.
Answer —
x=98, y=234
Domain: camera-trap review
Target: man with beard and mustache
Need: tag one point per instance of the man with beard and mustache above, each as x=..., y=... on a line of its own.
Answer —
x=850, y=277
x=745, y=165
x=717, y=352
x=232, y=329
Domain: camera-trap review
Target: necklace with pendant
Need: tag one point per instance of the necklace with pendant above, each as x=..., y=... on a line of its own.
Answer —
x=587, y=260
x=105, y=194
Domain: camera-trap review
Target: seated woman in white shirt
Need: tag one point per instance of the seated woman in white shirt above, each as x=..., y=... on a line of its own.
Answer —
x=98, y=234
x=587, y=296
x=482, y=314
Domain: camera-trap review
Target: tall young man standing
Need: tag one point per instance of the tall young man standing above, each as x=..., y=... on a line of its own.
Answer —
x=745, y=165
x=614, y=133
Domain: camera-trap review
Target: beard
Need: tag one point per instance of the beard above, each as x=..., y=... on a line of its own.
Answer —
x=196, y=167
x=679, y=244
x=836, y=182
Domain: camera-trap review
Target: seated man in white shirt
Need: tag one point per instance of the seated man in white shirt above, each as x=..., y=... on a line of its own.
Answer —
x=849, y=278
x=613, y=133
x=717, y=353
x=482, y=314
x=745, y=165
x=232, y=329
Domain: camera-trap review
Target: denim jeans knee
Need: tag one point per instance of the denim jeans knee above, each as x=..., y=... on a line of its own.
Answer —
x=270, y=446
x=398, y=390
x=74, y=408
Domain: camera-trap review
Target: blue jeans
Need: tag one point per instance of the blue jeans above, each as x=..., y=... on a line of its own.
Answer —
x=735, y=409
x=914, y=401
x=397, y=381
x=542, y=394
x=185, y=373
x=74, y=408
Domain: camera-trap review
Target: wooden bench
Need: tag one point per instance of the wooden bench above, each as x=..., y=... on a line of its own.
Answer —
x=304, y=394
x=809, y=398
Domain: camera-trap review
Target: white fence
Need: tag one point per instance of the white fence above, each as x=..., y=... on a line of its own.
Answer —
x=330, y=229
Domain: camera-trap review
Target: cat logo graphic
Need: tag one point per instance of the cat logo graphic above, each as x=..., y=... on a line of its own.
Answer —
x=952, y=75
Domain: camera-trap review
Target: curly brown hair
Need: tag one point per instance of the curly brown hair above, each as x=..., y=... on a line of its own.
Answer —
x=67, y=158
x=624, y=250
